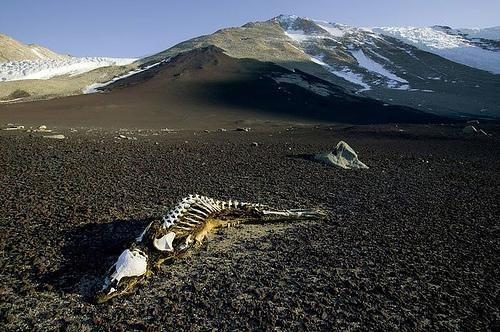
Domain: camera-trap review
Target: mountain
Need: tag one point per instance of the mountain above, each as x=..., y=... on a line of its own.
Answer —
x=363, y=61
x=206, y=88
x=22, y=66
x=325, y=61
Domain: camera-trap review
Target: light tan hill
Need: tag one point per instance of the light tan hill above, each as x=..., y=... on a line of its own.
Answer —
x=13, y=50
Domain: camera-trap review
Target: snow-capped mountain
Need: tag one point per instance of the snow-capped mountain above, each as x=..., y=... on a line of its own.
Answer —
x=453, y=72
x=19, y=61
x=366, y=62
x=455, y=45
x=21, y=66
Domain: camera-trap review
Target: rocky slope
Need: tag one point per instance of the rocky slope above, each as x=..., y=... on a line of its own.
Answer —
x=362, y=61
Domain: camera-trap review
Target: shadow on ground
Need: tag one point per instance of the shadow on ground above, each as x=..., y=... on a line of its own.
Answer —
x=89, y=252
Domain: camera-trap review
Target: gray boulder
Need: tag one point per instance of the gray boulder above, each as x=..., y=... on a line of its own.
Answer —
x=342, y=156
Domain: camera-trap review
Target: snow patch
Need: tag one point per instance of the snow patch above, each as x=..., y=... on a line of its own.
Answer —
x=485, y=33
x=333, y=29
x=376, y=67
x=344, y=73
x=452, y=47
x=297, y=35
x=46, y=69
x=38, y=54
x=94, y=88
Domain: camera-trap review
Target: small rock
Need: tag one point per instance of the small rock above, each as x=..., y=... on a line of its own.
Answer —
x=255, y=144
x=222, y=129
x=243, y=129
x=12, y=127
x=42, y=129
x=55, y=136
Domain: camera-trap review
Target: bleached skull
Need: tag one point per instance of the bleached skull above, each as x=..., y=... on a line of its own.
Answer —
x=131, y=265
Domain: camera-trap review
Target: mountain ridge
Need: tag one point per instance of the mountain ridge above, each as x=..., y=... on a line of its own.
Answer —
x=378, y=66
x=206, y=88
x=360, y=60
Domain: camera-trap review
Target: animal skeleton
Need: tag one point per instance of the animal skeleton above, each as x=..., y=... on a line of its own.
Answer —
x=183, y=227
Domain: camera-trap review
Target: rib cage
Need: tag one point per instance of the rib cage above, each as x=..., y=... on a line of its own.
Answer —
x=193, y=210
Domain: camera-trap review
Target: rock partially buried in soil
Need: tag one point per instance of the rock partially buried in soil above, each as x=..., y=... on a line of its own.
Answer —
x=343, y=156
x=55, y=136
x=42, y=129
x=469, y=130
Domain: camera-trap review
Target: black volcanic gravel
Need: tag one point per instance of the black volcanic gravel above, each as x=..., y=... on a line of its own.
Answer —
x=410, y=244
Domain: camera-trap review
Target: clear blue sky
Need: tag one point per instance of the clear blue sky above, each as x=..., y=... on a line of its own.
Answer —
x=141, y=27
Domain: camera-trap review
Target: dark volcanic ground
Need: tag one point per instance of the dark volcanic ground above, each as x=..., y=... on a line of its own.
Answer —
x=411, y=244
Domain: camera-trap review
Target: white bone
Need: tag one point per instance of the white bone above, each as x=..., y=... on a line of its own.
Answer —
x=192, y=215
x=131, y=263
x=139, y=238
x=196, y=222
x=165, y=242
x=199, y=211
